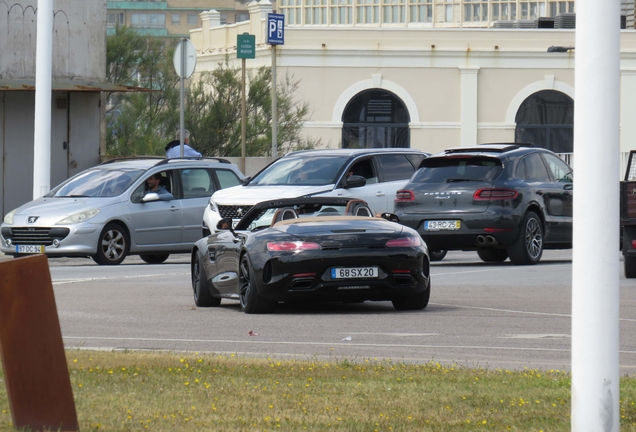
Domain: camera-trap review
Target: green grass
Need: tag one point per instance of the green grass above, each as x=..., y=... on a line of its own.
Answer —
x=130, y=391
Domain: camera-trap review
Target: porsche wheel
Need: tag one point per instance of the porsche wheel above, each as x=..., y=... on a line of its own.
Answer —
x=154, y=259
x=200, y=286
x=492, y=255
x=251, y=301
x=112, y=246
x=528, y=247
x=630, y=267
x=415, y=301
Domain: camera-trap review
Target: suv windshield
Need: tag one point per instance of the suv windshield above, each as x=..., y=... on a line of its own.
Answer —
x=457, y=169
x=301, y=171
x=97, y=183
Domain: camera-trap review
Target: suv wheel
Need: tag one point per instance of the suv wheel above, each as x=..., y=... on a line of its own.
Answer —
x=492, y=255
x=528, y=247
x=437, y=255
x=630, y=267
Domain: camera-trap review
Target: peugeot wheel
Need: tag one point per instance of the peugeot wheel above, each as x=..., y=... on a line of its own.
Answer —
x=154, y=258
x=112, y=246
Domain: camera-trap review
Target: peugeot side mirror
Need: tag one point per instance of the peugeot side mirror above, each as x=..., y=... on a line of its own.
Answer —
x=150, y=196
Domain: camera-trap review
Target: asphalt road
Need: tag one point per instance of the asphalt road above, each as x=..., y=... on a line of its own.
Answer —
x=489, y=315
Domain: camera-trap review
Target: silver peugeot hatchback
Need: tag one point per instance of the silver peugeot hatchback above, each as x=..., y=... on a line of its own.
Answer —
x=106, y=212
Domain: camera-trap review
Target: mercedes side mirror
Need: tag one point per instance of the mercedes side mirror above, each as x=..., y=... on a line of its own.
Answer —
x=224, y=224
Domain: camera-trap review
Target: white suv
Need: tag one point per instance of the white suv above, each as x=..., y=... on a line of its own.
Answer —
x=373, y=175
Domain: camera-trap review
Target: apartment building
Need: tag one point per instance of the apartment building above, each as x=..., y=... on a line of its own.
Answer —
x=376, y=85
x=434, y=13
x=171, y=18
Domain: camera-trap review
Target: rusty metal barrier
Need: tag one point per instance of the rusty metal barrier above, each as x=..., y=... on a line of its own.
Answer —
x=31, y=347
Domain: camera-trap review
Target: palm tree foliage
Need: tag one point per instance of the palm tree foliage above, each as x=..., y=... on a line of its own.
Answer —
x=142, y=123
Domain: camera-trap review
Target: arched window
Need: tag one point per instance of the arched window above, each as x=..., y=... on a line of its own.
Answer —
x=373, y=119
x=546, y=120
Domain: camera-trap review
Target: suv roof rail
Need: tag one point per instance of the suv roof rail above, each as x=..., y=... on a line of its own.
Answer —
x=130, y=158
x=489, y=147
x=187, y=158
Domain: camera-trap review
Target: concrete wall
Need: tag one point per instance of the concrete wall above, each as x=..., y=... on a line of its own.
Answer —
x=74, y=141
x=79, y=52
x=79, y=39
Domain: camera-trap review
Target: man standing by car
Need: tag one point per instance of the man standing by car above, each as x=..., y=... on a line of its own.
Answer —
x=154, y=185
x=173, y=149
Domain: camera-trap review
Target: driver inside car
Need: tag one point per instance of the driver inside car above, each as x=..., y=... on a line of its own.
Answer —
x=154, y=185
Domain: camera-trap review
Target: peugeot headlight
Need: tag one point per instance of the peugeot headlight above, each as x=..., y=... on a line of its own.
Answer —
x=78, y=217
x=213, y=206
x=8, y=218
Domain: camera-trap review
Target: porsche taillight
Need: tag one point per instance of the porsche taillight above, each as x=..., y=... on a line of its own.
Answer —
x=404, y=242
x=291, y=246
x=495, y=194
x=404, y=195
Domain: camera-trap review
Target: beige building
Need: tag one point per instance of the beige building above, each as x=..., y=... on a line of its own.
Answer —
x=427, y=88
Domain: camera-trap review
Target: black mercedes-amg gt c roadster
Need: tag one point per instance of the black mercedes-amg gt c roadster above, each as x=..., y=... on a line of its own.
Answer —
x=311, y=249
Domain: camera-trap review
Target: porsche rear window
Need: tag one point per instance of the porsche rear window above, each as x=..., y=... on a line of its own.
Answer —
x=444, y=169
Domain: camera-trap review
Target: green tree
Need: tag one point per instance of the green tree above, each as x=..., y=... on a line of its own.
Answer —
x=137, y=121
x=144, y=122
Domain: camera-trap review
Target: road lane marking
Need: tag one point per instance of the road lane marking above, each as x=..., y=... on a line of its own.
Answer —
x=304, y=343
x=534, y=336
x=392, y=334
x=491, y=269
x=518, y=311
x=110, y=278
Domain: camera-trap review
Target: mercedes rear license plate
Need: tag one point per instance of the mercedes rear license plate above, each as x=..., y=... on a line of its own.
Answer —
x=354, y=272
x=29, y=249
x=450, y=225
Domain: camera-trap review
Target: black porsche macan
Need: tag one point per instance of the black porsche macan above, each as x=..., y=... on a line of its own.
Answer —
x=311, y=249
x=501, y=200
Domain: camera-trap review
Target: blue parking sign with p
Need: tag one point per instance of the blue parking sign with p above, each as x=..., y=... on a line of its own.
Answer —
x=275, y=29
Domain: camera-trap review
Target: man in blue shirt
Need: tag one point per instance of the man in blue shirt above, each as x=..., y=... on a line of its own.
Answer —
x=173, y=149
x=154, y=185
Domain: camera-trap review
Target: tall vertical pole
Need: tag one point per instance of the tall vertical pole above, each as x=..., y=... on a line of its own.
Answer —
x=182, y=95
x=42, y=126
x=243, y=116
x=595, y=263
x=274, y=106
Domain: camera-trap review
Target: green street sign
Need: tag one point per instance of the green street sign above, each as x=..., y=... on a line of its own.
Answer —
x=246, y=46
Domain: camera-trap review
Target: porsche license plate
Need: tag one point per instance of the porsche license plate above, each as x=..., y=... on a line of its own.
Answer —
x=450, y=225
x=29, y=249
x=354, y=272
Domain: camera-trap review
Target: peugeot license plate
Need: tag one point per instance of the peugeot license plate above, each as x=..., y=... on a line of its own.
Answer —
x=450, y=225
x=29, y=249
x=354, y=272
